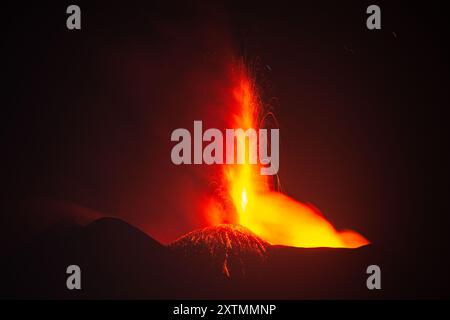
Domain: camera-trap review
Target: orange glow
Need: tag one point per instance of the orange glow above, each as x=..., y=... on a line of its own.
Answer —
x=273, y=216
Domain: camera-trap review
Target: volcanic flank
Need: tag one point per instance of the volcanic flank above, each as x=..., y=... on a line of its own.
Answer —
x=230, y=249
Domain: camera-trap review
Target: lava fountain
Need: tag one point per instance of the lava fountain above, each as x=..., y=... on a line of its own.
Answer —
x=251, y=199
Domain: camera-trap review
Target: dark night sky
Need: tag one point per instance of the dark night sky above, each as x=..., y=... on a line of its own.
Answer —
x=87, y=115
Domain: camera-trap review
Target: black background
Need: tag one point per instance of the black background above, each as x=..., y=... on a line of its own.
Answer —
x=87, y=114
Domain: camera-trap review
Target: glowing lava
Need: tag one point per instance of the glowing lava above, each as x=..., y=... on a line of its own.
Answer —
x=273, y=216
x=230, y=249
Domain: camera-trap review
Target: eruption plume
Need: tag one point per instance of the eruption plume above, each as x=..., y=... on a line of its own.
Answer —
x=251, y=199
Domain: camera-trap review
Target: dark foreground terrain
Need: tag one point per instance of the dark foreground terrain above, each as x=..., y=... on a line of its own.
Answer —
x=119, y=261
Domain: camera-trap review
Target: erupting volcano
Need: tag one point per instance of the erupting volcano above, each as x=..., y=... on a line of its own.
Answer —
x=249, y=199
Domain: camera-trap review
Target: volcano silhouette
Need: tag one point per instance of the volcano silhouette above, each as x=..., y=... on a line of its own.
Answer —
x=230, y=249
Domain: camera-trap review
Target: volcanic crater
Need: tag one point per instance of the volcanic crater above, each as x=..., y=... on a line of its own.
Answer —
x=228, y=248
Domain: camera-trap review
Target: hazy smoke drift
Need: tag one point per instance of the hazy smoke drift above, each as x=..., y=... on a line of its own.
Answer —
x=234, y=139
